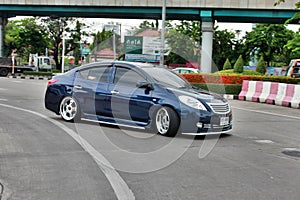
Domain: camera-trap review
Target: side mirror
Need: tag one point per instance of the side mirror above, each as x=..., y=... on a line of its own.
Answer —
x=146, y=85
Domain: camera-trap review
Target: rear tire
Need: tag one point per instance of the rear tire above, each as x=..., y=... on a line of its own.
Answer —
x=69, y=109
x=166, y=121
x=3, y=72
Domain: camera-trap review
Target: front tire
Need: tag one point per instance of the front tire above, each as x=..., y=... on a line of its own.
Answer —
x=166, y=121
x=69, y=109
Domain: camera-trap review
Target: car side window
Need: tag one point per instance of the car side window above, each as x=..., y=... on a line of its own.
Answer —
x=97, y=74
x=184, y=71
x=127, y=77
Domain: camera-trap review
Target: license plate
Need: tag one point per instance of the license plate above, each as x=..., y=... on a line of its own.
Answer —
x=224, y=121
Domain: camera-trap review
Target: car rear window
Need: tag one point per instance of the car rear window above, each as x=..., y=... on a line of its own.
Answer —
x=98, y=74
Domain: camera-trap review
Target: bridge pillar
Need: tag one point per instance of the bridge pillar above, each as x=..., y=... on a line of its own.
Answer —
x=3, y=22
x=207, y=27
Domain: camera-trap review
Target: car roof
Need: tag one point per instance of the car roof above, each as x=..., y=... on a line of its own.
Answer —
x=187, y=68
x=133, y=64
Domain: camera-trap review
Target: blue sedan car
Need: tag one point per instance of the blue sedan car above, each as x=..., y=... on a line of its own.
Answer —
x=137, y=95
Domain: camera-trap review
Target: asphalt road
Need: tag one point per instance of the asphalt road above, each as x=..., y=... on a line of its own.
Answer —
x=43, y=157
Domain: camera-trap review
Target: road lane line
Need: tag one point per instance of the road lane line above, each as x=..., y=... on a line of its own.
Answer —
x=264, y=141
x=17, y=81
x=122, y=191
x=267, y=113
x=3, y=99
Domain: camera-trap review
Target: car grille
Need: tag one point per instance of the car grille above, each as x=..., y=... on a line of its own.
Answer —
x=220, y=108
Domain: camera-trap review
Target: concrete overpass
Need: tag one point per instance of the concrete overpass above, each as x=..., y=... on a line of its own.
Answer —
x=207, y=11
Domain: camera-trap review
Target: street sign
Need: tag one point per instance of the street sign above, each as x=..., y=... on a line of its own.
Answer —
x=151, y=45
x=133, y=44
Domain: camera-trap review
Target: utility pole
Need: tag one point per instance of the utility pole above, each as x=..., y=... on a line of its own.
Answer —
x=114, y=42
x=63, y=50
x=162, y=34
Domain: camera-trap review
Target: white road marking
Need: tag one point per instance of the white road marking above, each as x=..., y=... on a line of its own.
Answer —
x=17, y=81
x=3, y=89
x=267, y=113
x=122, y=191
x=264, y=141
x=291, y=149
x=3, y=99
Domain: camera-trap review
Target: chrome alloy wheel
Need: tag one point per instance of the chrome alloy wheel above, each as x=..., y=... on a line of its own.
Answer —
x=68, y=109
x=162, y=121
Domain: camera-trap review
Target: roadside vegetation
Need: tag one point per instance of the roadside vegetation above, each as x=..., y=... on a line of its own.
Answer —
x=36, y=35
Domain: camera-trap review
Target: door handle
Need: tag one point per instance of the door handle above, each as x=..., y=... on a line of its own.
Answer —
x=114, y=92
x=77, y=87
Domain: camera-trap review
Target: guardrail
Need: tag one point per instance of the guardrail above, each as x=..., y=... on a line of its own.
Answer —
x=282, y=94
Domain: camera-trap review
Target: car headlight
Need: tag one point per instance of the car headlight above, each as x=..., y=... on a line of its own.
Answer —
x=192, y=102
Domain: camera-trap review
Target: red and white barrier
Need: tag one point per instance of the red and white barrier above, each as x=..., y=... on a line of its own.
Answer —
x=244, y=90
x=251, y=90
x=258, y=91
x=280, y=94
x=295, y=102
x=289, y=94
x=272, y=93
x=265, y=92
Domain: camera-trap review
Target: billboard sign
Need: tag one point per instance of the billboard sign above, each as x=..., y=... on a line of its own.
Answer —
x=133, y=44
x=142, y=58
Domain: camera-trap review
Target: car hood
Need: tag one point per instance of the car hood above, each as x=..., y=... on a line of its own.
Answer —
x=200, y=94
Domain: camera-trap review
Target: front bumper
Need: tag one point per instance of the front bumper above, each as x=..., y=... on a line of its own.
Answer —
x=205, y=123
x=210, y=129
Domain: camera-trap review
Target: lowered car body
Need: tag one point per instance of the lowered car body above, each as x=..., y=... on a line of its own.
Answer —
x=137, y=95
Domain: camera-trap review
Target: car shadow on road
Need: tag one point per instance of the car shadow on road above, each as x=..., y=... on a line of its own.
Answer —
x=116, y=127
x=206, y=137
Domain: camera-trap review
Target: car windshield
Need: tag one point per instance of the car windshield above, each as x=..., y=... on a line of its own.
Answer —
x=167, y=78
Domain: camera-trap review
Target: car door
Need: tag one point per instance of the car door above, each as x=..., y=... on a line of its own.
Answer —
x=90, y=90
x=128, y=101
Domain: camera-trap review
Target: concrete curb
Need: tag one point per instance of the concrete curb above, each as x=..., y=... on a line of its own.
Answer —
x=231, y=96
x=29, y=77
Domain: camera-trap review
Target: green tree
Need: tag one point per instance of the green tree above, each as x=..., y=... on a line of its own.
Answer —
x=227, y=65
x=104, y=39
x=183, y=48
x=267, y=40
x=145, y=25
x=72, y=28
x=99, y=38
x=239, y=65
x=261, y=65
x=225, y=45
x=184, y=39
x=296, y=16
x=294, y=44
x=27, y=36
x=191, y=29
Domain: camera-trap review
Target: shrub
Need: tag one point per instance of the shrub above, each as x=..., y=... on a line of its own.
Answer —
x=234, y=89
x=245, y=72
x=236, y=78
x=227, y=65
x=261, y=66
x=34, y=73
x=239, y=65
